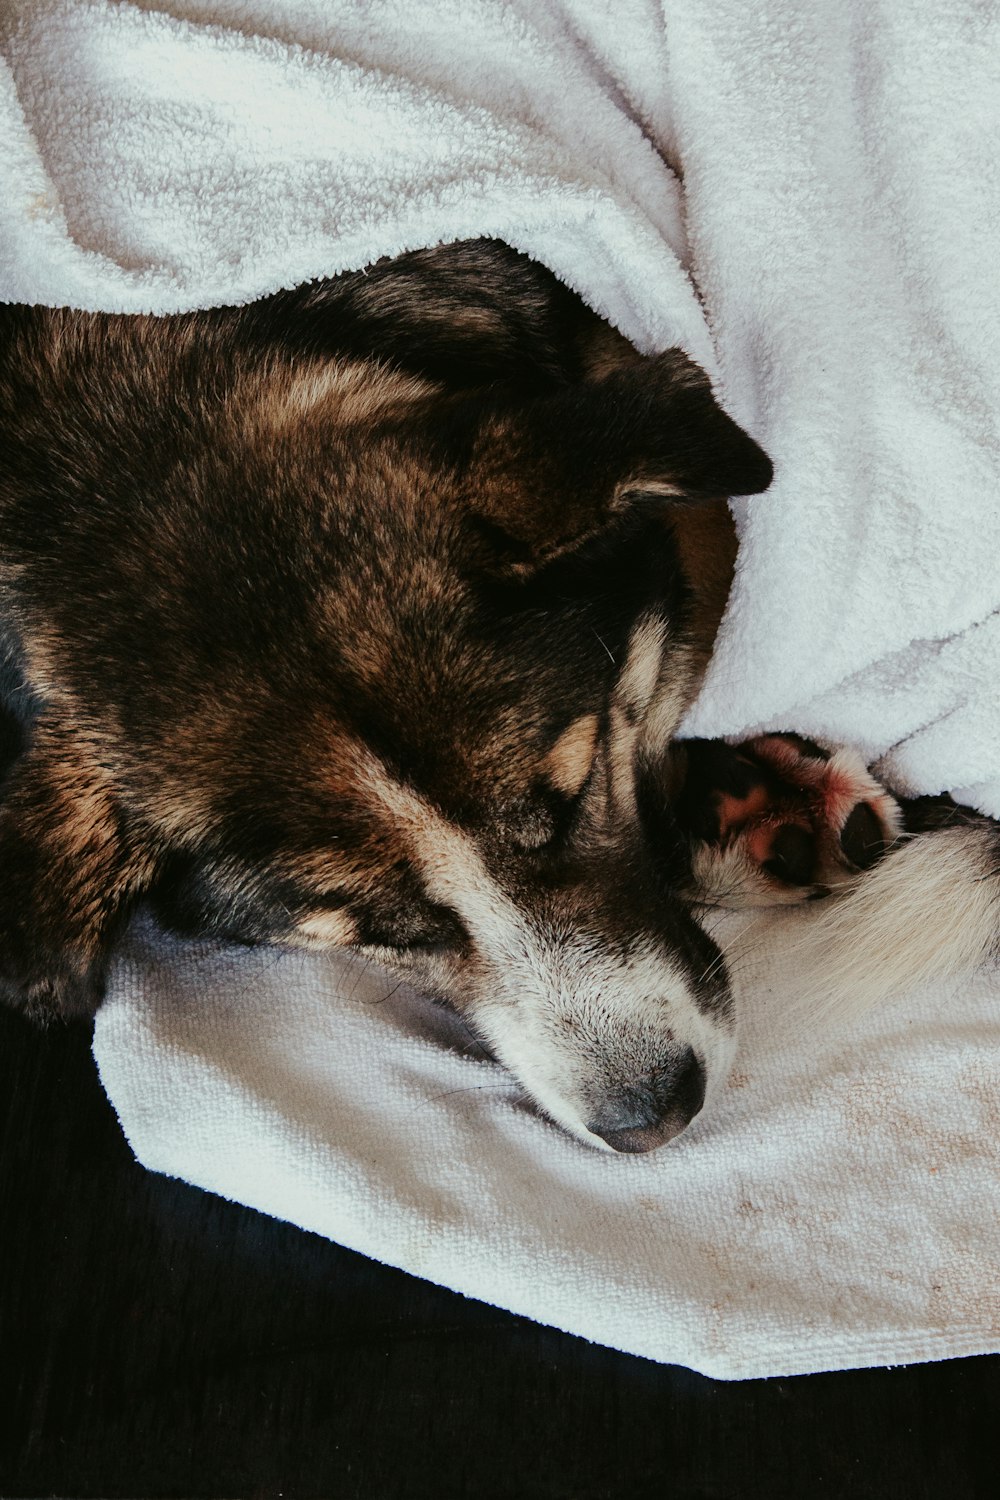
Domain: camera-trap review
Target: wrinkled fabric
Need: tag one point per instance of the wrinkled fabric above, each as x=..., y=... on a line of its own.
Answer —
x=805, y=198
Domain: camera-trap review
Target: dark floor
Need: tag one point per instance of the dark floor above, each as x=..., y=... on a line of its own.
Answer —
x=157, y=1341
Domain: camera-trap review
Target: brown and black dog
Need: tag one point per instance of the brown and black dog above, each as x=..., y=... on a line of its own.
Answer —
x=366, y=615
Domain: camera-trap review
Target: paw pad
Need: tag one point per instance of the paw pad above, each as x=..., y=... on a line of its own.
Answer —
x=782, y=821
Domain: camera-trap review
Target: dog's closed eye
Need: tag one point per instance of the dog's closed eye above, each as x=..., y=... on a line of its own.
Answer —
x=542, y=820
x=427, y=929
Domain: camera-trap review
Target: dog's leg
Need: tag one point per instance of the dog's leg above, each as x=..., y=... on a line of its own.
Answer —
x=776, y=820
x=928, y=913
x=68, y=869
x=915, y=885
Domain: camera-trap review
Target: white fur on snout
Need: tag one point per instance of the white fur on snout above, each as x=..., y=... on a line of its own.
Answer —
x=575, y=1020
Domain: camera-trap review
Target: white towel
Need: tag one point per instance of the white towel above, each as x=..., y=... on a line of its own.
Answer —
x=839, y=1206
x=829, y=255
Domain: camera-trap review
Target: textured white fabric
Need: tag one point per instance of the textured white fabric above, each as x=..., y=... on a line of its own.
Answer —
x=840, y=1206
x=829, y=253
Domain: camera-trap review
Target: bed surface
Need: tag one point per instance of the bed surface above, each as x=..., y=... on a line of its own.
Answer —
x=159, y=1341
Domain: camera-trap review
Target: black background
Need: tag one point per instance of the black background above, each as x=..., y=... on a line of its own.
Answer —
x=157, y=1341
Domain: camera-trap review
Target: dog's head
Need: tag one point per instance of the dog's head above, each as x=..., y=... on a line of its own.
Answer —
x=330, y=656
x=482, y=642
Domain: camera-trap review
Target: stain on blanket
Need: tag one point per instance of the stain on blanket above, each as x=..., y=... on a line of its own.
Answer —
x=965, y=1291
x=886, y=1103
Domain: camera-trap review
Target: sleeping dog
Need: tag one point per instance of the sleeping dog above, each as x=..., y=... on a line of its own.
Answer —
x=365, y=616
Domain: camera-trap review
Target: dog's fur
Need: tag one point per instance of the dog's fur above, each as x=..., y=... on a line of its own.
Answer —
x=365, y=616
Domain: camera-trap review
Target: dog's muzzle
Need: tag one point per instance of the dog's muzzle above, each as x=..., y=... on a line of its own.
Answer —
x=648, y=1115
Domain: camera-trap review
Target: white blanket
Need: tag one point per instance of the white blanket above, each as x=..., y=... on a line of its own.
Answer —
x=838, y=1207
x=806, y=198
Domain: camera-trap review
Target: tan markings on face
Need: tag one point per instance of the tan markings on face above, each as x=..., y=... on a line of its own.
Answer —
x=555, y=1002
x=623, y=735
x=568, y=763
x=672, y=698
x=449, y=862
x=641, y=671
x=327, y=929
x=634, y=692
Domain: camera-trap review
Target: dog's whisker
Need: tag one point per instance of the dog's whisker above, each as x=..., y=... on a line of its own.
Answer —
x=501, y=1086
x=604, y=643
x=383, y=999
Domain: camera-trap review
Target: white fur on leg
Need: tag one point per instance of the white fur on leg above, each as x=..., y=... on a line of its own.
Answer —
x=929, y=912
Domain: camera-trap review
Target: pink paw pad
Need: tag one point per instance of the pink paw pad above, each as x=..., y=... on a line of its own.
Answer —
x=812, y=819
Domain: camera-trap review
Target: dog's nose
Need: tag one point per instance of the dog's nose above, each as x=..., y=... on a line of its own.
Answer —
x=648, y=1115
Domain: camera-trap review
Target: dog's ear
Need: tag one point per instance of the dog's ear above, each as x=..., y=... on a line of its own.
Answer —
x=546, y=475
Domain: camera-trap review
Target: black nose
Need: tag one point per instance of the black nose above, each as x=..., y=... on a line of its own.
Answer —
x=648, y=1115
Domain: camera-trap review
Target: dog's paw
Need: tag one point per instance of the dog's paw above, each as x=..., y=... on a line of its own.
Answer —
x=60, y=990
x=47, y=987
x=777, y=820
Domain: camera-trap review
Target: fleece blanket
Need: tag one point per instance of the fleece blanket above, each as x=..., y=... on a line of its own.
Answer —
x=805, y=198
